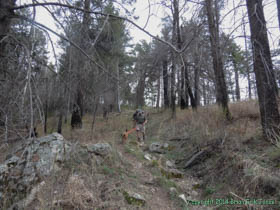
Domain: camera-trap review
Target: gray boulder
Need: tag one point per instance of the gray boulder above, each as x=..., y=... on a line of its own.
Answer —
x=102, y=149
x=158, y=147
x=34, y=159
x=134, y=198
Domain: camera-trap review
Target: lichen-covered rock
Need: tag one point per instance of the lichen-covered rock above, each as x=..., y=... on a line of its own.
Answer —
x=158, y=147
x=169, y=164
x=34, y=159
x=102, y=149
x=171, y=173
x=134, y=198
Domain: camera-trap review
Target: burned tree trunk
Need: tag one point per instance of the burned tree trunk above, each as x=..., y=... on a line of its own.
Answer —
x=77, y=112
x=265, y=79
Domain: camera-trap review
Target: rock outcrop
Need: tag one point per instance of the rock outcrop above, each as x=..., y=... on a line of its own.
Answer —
x=30, y=163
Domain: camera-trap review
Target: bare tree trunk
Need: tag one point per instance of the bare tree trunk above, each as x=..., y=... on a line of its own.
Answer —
x=213, y=23
x=237, y=89
x=59, y=125
x=173, y=84
x=204, y=92
x=278, y=10
x=196, y=87
x=265, y=79
x=158, y=91
x=189, y=92
x=247, y=63
x=165, y=82
x=77, y=113
x=4, y=29
x=118, y=86
x=46, y=107
x=140, y=100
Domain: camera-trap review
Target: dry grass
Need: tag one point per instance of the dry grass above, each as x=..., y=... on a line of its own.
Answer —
x=237, y=168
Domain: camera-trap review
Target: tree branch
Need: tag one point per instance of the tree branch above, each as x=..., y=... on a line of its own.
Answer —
x=66, y=39
x=97, y=13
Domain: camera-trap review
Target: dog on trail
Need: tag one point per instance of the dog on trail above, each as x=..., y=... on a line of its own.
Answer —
x=125, y=134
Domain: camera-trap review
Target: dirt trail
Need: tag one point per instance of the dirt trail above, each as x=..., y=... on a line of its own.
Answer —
x=156, y=195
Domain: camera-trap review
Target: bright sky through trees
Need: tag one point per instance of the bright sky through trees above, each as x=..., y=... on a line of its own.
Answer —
x=151, y=16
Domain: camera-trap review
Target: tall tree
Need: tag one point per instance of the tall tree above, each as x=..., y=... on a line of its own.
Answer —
x=175, y=14
x=278, y=11
x=265, y=79
x=213, y=24
x=77, y=112
x=247, y=61
x=5, y=22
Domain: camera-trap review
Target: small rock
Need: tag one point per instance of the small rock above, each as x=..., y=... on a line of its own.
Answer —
x=134, y=198
x=153, y=190
x=171, y=173
x=169, y=164
x=12, y=161
x=157, y=147
x=183, y=197
x=173, y=191
x=148, y=157
x=102, y=149
x=3, y=169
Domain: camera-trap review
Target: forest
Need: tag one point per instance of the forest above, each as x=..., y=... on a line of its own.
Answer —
x=207, y=76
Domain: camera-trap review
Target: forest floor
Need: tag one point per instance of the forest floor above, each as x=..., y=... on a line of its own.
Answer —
x=239, y=169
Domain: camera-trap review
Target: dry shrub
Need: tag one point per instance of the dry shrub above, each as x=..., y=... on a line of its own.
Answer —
x=77, y=194
x=245, y=109
x=261, y=181
x=205, y=123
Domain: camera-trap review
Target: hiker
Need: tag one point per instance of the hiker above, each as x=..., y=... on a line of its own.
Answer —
x=140, y=120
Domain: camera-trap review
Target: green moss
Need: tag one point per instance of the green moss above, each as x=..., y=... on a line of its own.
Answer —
x=170, y=174
x=132, y=200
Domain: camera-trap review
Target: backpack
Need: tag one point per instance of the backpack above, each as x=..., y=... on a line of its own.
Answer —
x=139, y=116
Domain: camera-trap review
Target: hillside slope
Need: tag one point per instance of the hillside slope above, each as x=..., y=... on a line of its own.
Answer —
x=204, y=162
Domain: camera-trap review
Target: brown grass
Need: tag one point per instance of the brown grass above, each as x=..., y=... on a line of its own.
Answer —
x=242, y=165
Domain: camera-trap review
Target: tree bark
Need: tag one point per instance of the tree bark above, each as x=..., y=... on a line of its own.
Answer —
x=165, y=82
x=59, y=125
x=189, y=92
x=221, y=88
x=236, y=77
x=204, y=92
x=173, y=83
x=140, y=101
x=173, y=60
x=77, y=113
x=5, y=21
x=158, y=91
x=278, y=11
x=46, y=107
x=265, y=79
x=247, y=63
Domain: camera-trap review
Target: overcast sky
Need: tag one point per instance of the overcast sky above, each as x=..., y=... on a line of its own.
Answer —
x=156, y=13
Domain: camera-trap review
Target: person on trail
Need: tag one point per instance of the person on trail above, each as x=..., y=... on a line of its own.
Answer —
x=140, y=120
